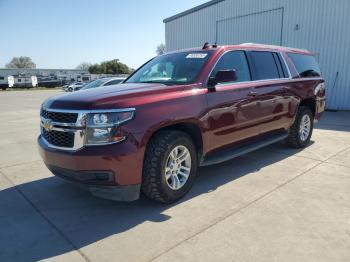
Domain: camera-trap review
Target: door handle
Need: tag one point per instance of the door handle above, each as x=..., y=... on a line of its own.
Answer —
x=253, y=94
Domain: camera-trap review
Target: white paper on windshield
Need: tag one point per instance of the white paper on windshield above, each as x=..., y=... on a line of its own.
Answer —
x=197, y=55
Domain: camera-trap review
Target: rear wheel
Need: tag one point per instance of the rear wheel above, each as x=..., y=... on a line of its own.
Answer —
x=170, y=166
x=301, y=131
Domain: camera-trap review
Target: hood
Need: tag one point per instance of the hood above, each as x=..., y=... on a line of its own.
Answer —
x=116, y=96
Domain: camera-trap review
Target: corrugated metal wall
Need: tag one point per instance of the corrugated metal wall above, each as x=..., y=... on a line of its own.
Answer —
x=321, y=26
x=251, y=28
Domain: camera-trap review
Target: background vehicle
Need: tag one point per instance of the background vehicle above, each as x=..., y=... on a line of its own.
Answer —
x=179, y=111
x=25, y=81
x=103, y=82
x=48, y=81
x=6, y=81
x=74, y=87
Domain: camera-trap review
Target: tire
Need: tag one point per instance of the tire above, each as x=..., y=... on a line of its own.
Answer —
x=158, y=159
x=296, y=138
x=70, y=89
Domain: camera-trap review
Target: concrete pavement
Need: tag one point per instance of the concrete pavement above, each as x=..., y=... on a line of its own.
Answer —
x=275, y=204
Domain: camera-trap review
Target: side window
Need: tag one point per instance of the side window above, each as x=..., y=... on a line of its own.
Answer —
x=283, y=64
x=113, y=82
x=306, y=65
x=263, y=65
x=234, y=60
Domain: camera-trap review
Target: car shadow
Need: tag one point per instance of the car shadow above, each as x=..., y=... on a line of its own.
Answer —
x=82, y=219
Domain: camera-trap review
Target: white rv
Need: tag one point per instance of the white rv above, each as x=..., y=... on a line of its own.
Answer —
x=6, y=81
x=23, y=81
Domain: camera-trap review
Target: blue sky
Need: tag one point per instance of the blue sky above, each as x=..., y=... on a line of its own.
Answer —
x=63, y=33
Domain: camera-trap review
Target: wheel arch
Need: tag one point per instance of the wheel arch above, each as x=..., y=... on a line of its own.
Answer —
x=191, y=129
x=310, y=103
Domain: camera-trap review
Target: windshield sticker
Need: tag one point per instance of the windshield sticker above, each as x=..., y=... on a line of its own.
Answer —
x=197, y=55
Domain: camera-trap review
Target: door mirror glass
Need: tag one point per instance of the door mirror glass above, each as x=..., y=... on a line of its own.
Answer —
x=223, y=76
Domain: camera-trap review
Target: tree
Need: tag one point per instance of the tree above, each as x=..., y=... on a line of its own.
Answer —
x=113, y=67
x=95, y=69
x=21, y=62
x=84, y=66
x=161, y=49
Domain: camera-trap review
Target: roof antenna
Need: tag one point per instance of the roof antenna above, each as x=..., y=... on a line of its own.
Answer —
x=206, y=45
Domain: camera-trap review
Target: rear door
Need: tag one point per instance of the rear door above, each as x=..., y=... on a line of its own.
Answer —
x=271, y=79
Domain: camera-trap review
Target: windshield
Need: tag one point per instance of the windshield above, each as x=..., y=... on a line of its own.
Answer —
x=93, y=84
x=177, y=68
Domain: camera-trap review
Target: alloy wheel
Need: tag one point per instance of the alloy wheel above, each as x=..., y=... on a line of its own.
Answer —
x=178, y=167
x=305, y=128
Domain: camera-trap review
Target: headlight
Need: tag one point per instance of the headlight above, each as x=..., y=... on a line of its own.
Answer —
x=320, y=90
x=105, y=128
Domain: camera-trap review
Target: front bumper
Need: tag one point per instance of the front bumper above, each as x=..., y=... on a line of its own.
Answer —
x=94, y=181
x=113, y=172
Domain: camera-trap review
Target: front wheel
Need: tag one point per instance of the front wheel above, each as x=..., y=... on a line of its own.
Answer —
x=301, y=131
x=170, y=166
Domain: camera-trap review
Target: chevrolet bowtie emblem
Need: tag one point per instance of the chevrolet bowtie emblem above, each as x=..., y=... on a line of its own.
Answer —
x=47, y=125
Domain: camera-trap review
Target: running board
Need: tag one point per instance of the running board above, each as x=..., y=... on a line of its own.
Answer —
x=241, y=150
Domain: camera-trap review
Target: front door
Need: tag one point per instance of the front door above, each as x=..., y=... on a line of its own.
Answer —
x=232, y=109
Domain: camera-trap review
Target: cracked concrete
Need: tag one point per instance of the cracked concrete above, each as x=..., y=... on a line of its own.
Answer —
x=275, y=204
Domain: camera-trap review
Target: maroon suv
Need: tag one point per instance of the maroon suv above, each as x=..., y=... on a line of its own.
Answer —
x=181, y=110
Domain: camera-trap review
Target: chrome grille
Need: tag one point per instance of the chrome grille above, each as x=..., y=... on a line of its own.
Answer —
x=60, y=117
x=58, y=138
x=63, y=129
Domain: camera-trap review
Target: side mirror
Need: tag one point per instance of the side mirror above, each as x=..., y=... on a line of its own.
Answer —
x=222, y=76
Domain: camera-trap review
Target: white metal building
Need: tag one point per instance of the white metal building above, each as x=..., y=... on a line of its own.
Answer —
x=321, y=26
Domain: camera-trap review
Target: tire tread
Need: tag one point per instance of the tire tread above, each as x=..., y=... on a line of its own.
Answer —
x=151, y=183
x=293, y=139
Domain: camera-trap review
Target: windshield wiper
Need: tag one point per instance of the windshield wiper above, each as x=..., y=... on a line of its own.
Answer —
x=151, y=81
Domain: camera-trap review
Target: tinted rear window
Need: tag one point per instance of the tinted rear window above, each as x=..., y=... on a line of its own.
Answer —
x=306, y=65
x=264, y=65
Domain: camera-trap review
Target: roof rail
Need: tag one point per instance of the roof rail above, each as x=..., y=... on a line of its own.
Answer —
x=274, y=46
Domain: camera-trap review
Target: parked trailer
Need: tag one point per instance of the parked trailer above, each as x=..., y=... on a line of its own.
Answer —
x=49, y=82
x=25, y=81
x=6, y=81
